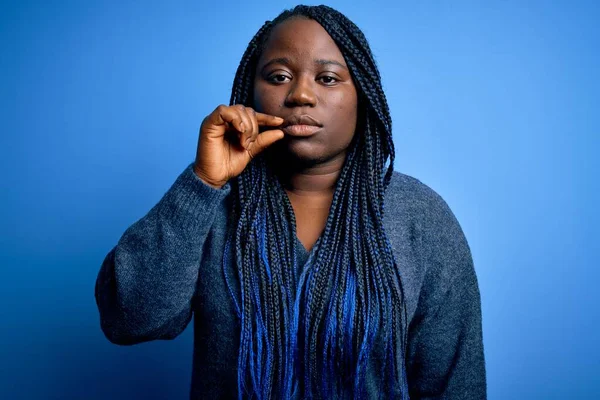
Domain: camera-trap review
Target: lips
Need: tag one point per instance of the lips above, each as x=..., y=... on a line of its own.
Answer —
x=301, y=125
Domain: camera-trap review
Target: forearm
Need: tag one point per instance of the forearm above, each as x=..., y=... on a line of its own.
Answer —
x=446, y=359
x=145, y=286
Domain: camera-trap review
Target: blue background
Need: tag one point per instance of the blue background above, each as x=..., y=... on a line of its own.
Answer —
x=495, y=106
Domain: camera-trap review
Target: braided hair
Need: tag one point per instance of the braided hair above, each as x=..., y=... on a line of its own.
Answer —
x=312, y=334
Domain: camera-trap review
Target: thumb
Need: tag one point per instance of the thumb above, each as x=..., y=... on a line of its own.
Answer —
x=264, y=140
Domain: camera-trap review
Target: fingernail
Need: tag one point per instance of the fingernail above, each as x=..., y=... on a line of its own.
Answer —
x=242, y=127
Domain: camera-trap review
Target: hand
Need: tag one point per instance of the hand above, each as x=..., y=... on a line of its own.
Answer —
x=229, y=139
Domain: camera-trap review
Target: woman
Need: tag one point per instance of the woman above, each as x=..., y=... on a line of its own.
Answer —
x=276, y=239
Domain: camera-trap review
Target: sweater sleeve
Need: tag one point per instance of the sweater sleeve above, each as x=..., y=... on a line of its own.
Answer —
x=146, y=283
x=445, y=345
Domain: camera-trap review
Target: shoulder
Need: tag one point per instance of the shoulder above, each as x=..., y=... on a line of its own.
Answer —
x=410, y=202
x=408, y=194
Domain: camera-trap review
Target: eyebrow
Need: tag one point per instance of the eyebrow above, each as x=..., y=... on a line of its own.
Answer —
x=330, y=62
x=286, y=61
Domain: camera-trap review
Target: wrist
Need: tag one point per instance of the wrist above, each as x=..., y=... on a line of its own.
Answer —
x=208, y=182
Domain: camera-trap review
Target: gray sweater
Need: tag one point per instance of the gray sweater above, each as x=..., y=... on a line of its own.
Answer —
x=168, y=266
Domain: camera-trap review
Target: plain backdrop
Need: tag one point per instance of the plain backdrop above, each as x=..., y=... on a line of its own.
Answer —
x=495, y=106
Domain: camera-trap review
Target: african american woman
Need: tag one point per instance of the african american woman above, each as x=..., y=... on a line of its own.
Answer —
x=312, y=270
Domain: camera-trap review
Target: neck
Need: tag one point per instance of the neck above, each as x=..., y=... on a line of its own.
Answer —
x=315, y=180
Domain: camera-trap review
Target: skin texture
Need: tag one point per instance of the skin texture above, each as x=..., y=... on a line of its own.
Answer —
x=302, y=72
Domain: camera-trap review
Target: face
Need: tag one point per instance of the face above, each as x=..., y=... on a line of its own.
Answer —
x=302, y=77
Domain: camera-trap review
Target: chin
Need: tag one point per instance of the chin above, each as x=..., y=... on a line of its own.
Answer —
x=301, y=152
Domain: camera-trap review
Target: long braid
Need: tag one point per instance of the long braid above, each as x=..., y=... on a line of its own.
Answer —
x=310, y=330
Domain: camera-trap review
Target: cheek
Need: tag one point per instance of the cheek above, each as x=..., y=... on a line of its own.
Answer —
x=346, y=107
x=265, y=99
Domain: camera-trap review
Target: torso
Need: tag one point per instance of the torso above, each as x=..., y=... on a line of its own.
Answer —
x=216, y=322
x=311, y=211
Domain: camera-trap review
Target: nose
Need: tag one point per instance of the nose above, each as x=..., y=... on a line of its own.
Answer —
x=301, y=93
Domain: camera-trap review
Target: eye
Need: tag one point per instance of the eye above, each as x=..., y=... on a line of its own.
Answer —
x=328, y=80
x=278, y=78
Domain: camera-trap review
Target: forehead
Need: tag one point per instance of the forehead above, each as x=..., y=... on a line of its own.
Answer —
x=301, y=37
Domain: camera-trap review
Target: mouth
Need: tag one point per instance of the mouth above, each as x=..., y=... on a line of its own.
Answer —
x=301, y=126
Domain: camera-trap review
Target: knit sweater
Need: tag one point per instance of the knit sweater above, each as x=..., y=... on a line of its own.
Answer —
x=168, y=267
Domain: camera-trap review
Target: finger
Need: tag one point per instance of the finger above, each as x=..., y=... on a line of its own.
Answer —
x=245, y=131
x=264, y=140
x=269, y=120
x=255, y=130
x=233, y=117
x=221, y=120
